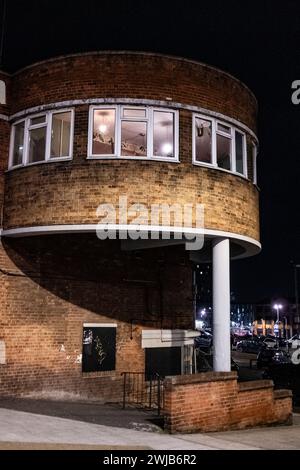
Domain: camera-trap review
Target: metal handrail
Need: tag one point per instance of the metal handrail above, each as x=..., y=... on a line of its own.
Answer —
x=140, y=391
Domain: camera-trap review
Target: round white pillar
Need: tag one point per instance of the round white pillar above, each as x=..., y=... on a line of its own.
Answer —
x=221, y=305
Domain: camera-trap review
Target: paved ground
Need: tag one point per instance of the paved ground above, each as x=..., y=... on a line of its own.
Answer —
x=45, y=429
x=90, y=412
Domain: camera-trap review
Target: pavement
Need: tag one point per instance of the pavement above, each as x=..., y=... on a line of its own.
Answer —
x=41, y=424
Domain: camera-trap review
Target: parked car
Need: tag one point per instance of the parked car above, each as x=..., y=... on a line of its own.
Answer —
x=205, y=362
x=204, y=341
x=294, y=342
x=270, y=342
x=268, y=356
x=250, y=345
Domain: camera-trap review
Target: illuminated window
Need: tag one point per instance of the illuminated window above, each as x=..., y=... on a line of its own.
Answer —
x=2, y=92
x=203, y=140
x=132, y=131
x=133, y=138
x=61, y=135
x=104, y=130
x=18, y=143
x=240, y=149
x=224, y=146
x=37, y=139
x=254, y=162
x=163, y=134
x=42, y=138
x=220, y=145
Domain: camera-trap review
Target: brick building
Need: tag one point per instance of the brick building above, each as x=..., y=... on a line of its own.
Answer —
x=83, y=130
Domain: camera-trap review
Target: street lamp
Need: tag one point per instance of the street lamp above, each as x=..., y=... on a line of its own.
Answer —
x=277, y=307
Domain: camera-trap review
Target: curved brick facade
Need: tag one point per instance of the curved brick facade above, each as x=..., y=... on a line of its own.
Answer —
x=51, y=285
x=133, y=75
x=231, y=202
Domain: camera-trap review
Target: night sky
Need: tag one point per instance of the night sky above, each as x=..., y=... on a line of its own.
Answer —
x=257, y=41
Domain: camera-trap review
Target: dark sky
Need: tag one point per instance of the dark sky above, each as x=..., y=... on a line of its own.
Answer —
x=257, y=41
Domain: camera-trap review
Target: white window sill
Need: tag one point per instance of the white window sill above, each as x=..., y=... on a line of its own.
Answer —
x=52, y=160
x=145, y=159
x=214, y=167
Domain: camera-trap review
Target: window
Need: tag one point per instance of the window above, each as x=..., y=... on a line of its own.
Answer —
x=99, y=347
x=163, y=134
x=203, y=140
x=254, y=162
x=133, y=132
x=104, y=130
x=2, y=92
x=224, y=146
x=37, y=139
x=18, y=143
x=60, y=135
x=239, y=152
x=42, y=138
x=219, y=145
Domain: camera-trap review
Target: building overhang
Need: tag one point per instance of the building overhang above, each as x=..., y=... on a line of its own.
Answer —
x=150, y=237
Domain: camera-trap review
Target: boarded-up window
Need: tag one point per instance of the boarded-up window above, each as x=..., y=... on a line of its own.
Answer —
x=98, y=348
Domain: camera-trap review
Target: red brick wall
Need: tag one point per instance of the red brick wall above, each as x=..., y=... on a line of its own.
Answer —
x=231, y=202
x=214, y=401
x=34, y=195
x=147, y=76
x=52, y=285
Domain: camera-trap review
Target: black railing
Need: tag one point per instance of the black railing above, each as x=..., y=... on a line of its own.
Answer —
x=143, y=392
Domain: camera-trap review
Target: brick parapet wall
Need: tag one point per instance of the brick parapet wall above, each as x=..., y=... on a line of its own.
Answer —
x=216, y=402
x=133, y=75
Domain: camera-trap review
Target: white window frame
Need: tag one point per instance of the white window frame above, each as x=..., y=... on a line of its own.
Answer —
x=90, y=154
x=121, y=119
x=48, y=148
x=245, y=166
x=254, y=161
x=150, y=128
x=30, y=127
x=48, y=125
x=213, y=141
x=176, y=135
x=231, y=137
x=12, y=143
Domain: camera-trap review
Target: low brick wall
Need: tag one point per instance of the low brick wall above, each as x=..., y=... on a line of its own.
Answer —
x=215, y=401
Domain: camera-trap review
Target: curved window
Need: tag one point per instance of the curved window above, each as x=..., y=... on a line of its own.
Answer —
x=203, y=140
x=41, y=138
x=219, y=145
x=2, y=92
x=254, y=162
x=133, y=132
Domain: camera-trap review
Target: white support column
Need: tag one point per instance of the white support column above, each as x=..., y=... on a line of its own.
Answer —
x=221, y=305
